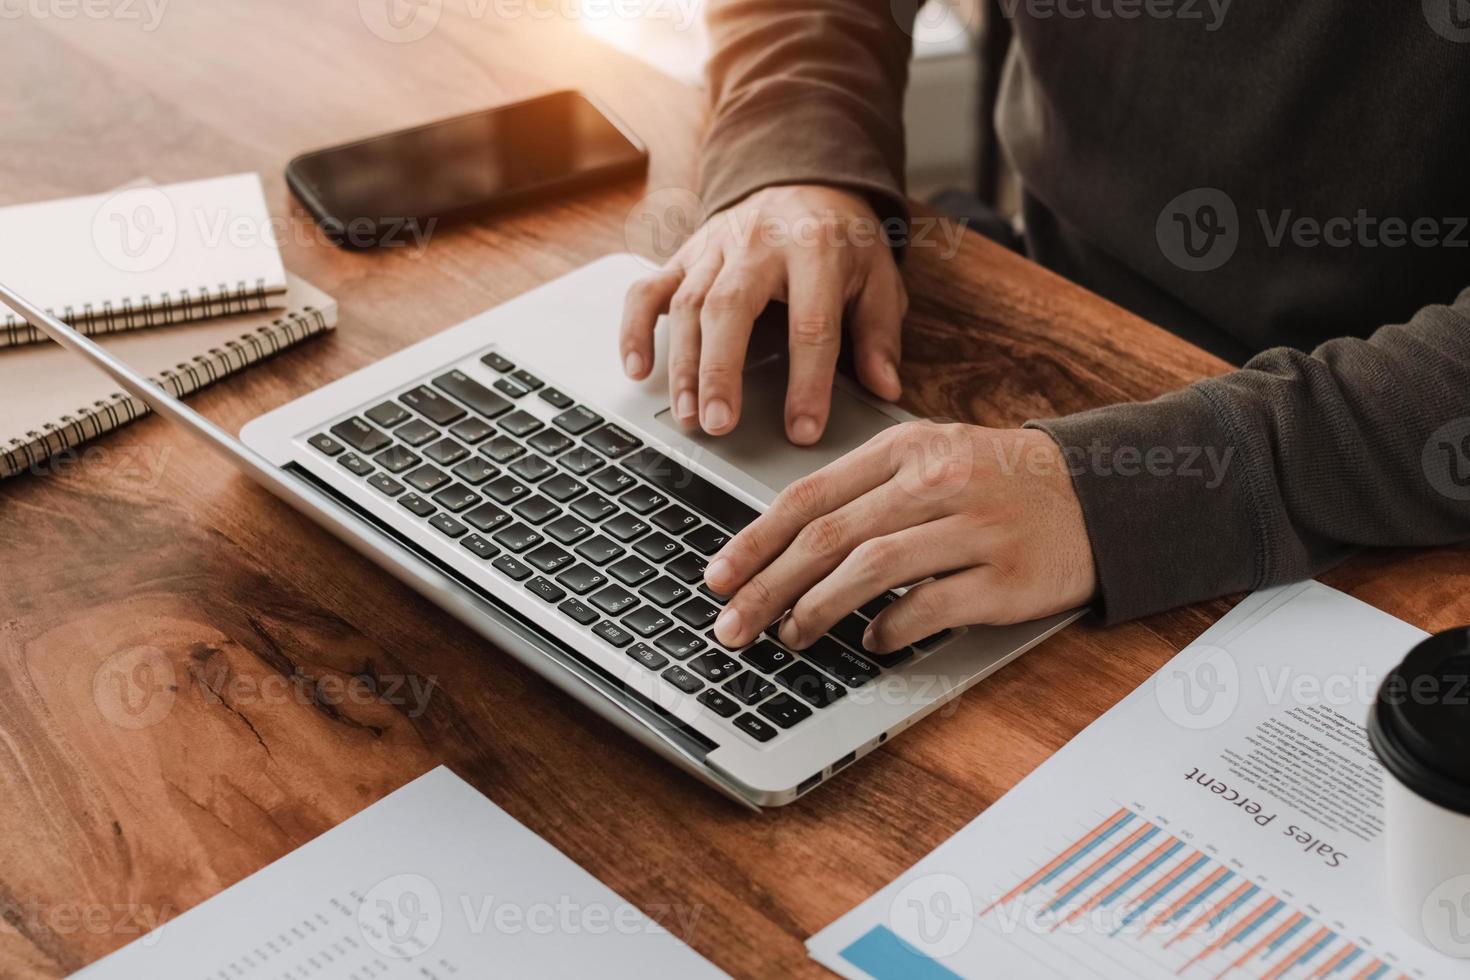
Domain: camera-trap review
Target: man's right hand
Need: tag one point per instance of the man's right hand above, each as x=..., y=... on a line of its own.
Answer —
x=819, y=249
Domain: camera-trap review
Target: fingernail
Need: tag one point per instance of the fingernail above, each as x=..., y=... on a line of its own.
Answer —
x=633, y=365
x=685, y=406
x=789, y=634
x=804, y=429
x=716, y=572
x=716, y=414
x=727, y=625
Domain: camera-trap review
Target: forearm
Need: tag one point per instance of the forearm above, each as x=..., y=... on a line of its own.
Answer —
x=1273, y=472
x=807, y=91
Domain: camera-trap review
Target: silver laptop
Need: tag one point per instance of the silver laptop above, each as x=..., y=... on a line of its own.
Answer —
x=506, y=470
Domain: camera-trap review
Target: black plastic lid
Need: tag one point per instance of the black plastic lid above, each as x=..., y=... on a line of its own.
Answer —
x=1420, y=723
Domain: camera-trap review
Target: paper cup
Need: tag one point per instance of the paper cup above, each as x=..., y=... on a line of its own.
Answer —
x=1420, y=729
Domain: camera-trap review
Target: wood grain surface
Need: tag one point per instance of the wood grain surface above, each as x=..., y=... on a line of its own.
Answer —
x=194, y=680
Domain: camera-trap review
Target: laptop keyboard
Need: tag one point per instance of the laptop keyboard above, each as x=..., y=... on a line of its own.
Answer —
x=612, y=534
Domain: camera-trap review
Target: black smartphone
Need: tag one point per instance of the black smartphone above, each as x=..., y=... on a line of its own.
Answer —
x=395, y=188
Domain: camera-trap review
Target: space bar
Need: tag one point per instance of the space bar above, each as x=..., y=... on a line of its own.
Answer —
x=689, y=488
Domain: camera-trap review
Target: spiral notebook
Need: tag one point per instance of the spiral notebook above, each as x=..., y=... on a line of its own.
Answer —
x=52, y=400
x=142, y=256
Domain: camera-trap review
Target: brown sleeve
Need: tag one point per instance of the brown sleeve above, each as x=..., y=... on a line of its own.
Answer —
x=807, y=91
x=1273, y=472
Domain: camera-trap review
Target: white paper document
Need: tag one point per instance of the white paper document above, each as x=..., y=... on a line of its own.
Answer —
x=1223, y=820
x=432, y=882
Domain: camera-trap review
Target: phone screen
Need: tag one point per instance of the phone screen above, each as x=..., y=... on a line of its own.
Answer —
x=466, y=164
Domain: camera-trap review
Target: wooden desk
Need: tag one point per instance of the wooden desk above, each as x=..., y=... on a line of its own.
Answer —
x=109, y=820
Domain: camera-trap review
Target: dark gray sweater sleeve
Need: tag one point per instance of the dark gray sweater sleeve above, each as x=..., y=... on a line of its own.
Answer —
x=1275, y=471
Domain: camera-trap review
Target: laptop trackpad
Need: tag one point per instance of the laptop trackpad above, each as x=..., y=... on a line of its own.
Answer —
x=759, y=448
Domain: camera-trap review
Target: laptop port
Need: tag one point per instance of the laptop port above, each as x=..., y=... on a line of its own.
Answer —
x=844, y=761
x=808, y=783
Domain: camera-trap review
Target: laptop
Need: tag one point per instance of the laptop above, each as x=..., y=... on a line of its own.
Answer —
x=508, y=471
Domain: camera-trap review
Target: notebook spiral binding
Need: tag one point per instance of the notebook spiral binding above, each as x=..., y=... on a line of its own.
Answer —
x=120, y=408
x=146, y=311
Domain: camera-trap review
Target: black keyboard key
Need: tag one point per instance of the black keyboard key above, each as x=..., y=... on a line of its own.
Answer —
x=518, y=537
x=548, y=558
x=536, y=510
x=568, y=529
x=528, y=380
x=697, y=613
x=486, y=517
x=933, y=640
x=556, y=399
x=873, y=607
x=849, y=629
x=475, y=471
x=582, y=579
x=532, y=468
x=657, y=547
x=631, y=570
x=445, y=524
x=549, y=442
x=496, y=362
x=612, y=441
x=385, y=484
x=359, y=435
x=426, y=478
x=681, y=483
x=648, y=656
x=481, y=547
x=682, y=679
x=484, y=401
x=396, y=459
x=784, y=710
x=387, y=414
x=680, y=643
x=600, y=550
x=714, y=666
x=613, y=633
x=749, y=687
x=614, y=600
x=578, y=610
x=416, y=432
x=511, y=389
x=446, y=452
x=715, y=597
x=664, y=591
x=810, y=684
x=688, y=567
x=456, y=497
x=561, y=488
x=355, y=464
x=647, y=621
x=675, y=519
x=625, y=527
x=644, y=500
x=432, y=405
x=503, y=449
x=754, y=727
x=706, y=539
x=593, y=507
x=471, y=430
x=509, y=566
x=324, y=443
x=580, y=461
x=767, y=657
x=520, y=423
x=416, y=505
x=718, y=703
x=841, y=663
x=577, y=420
x=612, y=481
x=547, y=590
x=506, y=489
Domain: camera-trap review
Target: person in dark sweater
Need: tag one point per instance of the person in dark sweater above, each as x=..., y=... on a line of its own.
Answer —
x=1283, y=184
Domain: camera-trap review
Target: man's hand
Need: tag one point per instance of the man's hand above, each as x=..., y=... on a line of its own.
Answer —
x=818, y=249
x=990, y=514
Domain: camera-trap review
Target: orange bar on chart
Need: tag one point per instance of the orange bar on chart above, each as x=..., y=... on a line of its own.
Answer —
x=1059, y=860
